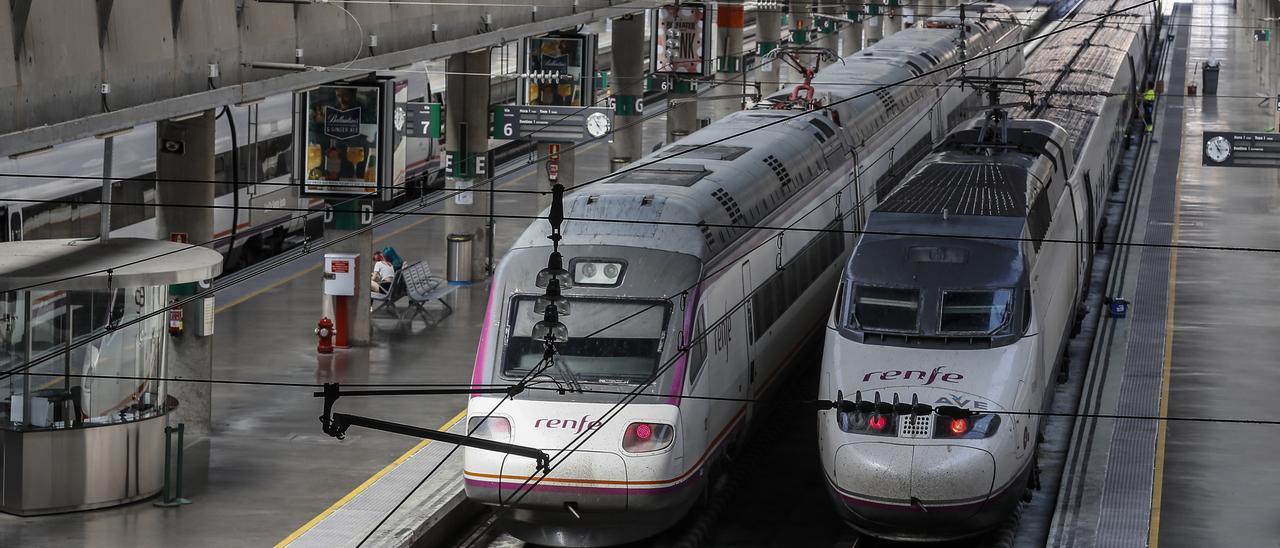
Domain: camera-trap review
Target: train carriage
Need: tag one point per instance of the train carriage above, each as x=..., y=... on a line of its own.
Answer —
x=964, y=292
x=713, y=298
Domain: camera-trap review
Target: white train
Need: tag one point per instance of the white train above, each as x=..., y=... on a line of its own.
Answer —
x=712, y=310
x=964, y=292
x=60, y=204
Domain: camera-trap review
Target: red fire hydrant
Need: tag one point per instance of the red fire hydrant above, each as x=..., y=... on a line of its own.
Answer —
x=324, y=330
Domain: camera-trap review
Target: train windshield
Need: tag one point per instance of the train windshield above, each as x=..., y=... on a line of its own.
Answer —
x=975, y=312
x=610, y=340
x=886, y=308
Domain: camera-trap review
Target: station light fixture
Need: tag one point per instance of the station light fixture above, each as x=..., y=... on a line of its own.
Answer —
x=113, y=133
x=30, y=153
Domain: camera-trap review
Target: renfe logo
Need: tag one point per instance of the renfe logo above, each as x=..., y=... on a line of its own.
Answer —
x=927, y=376
x=568, y=424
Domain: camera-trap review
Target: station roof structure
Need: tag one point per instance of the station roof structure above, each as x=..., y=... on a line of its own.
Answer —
x=77, y=264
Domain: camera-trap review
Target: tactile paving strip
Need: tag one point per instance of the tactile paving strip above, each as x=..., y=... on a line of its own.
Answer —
x=1126, y=499
x=352, y=522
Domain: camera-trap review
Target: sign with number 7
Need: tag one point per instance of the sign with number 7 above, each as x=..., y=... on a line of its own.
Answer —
x=425, y=120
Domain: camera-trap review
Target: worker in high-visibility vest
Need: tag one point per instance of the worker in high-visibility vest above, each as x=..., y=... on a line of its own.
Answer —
x=1149, y=107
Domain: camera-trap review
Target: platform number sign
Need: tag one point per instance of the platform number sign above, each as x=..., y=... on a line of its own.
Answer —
x=424, y=120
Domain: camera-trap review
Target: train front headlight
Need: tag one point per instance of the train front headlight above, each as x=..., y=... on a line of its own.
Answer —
x=647, y=437
x=876, y=424
x=490, y=428
x=974, y=426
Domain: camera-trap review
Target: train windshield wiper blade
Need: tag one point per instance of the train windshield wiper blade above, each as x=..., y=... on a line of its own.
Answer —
x=575, y=383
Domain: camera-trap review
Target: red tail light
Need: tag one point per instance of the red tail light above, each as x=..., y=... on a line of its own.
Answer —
x=877, y=422
x=959, y=426
x=645, y=437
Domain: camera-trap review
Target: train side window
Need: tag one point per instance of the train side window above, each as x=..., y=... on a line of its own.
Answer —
x=698, y=348
x=15, y=226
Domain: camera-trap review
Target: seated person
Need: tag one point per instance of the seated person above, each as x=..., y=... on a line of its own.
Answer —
x=382, y=276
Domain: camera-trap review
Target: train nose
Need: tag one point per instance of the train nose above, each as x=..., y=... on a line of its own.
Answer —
x=890, y=486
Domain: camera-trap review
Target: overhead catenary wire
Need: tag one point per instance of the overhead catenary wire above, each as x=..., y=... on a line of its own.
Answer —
x=855, y=231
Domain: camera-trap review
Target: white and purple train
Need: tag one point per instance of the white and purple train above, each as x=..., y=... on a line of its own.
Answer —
x=712, y=308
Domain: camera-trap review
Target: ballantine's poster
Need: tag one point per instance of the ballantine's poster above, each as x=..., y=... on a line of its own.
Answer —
x=342, y=135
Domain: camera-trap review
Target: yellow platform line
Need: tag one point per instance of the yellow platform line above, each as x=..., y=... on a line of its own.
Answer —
x=1157, y=487
x=359, y=489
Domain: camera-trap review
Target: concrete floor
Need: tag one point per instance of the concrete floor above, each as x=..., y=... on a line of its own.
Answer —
x=1219, y=488
x=267, y=469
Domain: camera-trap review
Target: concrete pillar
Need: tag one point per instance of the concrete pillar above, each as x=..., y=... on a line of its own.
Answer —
x=349, y=218
x=874, y=29
x=827, y=29
x=467, y=141
x=188, y=356
x=801, y=23
x=682, y=109
x=628, y=91
x=892, y=20
x=768, y=37
x=851, y=33
x=729, y=18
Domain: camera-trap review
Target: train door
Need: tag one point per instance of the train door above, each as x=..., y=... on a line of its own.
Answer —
x=747, y=288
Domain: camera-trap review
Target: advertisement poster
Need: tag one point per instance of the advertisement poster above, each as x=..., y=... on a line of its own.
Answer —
x=341, y=140
x=681, y=44
x=557, y=65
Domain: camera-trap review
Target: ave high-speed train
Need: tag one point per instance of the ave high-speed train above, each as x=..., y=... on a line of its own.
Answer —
x=964, y=290
x=713, y=305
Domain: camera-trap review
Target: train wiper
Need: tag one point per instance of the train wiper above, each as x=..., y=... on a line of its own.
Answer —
x=575, y=383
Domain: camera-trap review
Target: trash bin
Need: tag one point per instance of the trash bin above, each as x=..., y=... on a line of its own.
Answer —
x=459, y=258
x=1211, y=68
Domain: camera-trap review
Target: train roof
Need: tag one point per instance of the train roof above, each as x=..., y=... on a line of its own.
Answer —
x=957, y=186
x=734, y=181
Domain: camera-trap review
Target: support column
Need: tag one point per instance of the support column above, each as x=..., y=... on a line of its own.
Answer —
x=874, y=29
x=892, y=18
x=827, y=29
x=910, y=13
x=729, y=18
x=682, y=109
x=801, y=23
x=188, y=156
x=851, y=33
x=466, y=142
x=768, y=36
x=628, y=91
x=348, y=218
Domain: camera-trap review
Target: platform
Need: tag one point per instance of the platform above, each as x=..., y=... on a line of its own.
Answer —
x=1199, y=339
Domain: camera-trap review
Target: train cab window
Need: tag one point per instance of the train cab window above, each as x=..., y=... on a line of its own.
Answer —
x=975, y=312
x=4, y=234
x=886, y=309
x=697, y=348
x=626, y=350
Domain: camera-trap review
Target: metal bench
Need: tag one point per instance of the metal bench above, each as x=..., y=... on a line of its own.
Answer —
x=422, y=288
x=386, y=302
